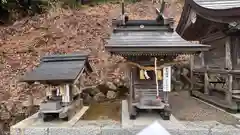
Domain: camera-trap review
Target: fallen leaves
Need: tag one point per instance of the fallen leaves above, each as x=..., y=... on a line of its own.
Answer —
x=59, y=31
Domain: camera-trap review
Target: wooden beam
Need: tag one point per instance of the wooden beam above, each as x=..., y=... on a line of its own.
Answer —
x=79, y=75
x=216, y=71
x=188, y=21
x=212, y=37
x=236, y=96
x=236, y=91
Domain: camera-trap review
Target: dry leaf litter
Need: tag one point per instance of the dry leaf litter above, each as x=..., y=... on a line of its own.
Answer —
x=59, y=31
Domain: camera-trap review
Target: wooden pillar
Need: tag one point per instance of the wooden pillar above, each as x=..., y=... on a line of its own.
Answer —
x=228, y=66
x=234, y=56
x=131, y=110
x=48, y=91
x=228, y=59
x=68, y=94
x=228, y=96
x=234, y=51
x=130, y=96
x=202, y=59
x=191, y=71
x=206, y=81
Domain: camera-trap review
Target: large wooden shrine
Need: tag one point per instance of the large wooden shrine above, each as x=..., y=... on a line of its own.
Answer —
x=216, y=73
x=149, y=46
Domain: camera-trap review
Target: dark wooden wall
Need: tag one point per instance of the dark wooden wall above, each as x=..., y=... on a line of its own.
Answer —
x=215, y=58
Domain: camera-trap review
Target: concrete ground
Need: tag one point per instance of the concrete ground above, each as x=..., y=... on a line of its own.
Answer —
x=190, y=117
x=179, y=127
x=145, y=118
x=187, y=108
x=34, y=126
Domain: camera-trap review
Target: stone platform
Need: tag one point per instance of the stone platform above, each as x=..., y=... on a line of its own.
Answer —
x=35, y=126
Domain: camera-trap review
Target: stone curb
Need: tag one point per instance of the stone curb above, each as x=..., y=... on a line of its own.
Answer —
x=96, y=130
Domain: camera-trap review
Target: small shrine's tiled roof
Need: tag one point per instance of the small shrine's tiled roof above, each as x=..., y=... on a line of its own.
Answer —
x=58, y=68
x=151, y=41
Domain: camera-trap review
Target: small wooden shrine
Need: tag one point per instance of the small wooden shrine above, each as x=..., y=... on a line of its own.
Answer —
x=149, y=46
x=216, y=72
x=62, y=75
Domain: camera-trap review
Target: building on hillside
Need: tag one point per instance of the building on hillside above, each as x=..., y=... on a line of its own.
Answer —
x=216, y=72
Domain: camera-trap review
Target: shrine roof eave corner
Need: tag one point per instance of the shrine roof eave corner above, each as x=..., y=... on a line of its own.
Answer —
x=214, y=8
x=208, y=12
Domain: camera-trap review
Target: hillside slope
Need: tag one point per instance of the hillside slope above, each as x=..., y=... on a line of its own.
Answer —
x=59, y=31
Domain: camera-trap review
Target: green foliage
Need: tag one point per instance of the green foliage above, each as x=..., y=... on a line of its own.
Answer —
x=104, y=1
x=15, y=9
x=133, y=1
x=70, y=3
x=3, y=1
